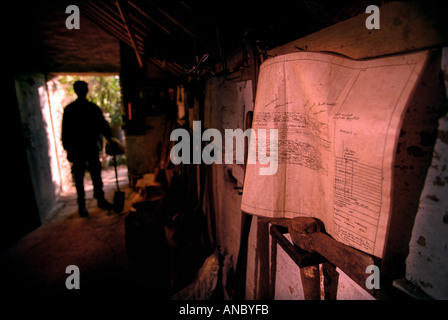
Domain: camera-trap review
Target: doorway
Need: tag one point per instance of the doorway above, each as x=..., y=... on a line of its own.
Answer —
x=104, y=91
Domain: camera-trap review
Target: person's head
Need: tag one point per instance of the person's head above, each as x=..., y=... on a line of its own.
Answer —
x=81, y=88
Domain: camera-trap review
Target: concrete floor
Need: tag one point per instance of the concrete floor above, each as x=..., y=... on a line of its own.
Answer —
x=36, y=265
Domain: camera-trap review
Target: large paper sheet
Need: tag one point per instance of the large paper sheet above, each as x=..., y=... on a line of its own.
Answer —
x=338, y=123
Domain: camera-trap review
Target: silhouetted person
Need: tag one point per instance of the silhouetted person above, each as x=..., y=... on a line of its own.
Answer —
x=83, y=124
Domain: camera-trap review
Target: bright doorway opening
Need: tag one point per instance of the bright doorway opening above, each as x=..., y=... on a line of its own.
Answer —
x=104, y=91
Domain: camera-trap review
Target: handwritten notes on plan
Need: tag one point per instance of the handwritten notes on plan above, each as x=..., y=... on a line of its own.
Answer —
x=338, y=122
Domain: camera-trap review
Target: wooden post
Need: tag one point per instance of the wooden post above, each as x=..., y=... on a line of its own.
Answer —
x=331, y=281
x=310, y=277
x=263, y=259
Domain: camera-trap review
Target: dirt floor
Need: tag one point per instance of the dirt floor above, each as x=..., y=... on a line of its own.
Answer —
x=36, y=265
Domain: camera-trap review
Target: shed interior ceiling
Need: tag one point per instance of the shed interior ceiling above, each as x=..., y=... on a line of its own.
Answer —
x=172, y=35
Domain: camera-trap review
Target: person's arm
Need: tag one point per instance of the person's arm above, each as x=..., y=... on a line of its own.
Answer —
x=104, y=125
x=107, y=132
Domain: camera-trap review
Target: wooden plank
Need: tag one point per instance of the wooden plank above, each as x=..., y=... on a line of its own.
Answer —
x=310, y=282
x=404, y=26
x=273, y=270
x=331, y=281
x=239, y=287
x=262, y=256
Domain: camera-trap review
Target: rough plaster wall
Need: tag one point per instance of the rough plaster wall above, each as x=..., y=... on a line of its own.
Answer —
x=40, y=141
x=227, y=212
x=58, y=101
x=427, y=263
x=288, y=285
x=142, y=150
x=413, y=157
x=224, y=106
x=226, y=103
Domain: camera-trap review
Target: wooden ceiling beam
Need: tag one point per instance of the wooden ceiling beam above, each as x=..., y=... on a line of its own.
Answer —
x=112, y=21
x=106, y=24
x=143, y=13
x=173, y=20
x=102, y=12
x=123, y=13
x=133, y=17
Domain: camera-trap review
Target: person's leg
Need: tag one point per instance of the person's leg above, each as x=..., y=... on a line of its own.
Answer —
x=78, y=170
x=95, y=173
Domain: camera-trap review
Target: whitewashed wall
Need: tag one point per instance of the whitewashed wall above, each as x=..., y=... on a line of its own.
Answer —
x=427, y=263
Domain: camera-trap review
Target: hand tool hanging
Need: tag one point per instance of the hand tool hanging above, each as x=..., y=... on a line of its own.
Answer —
x=114, y=148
